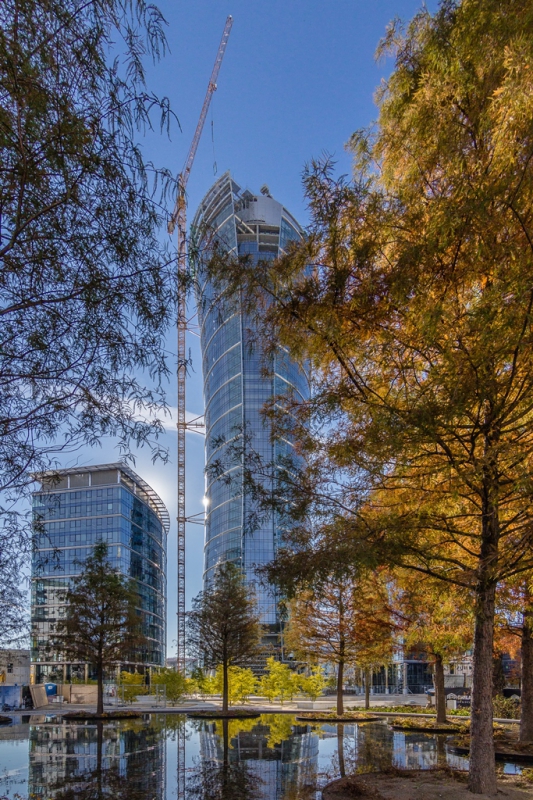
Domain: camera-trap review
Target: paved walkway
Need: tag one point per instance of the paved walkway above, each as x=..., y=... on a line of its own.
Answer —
x=149, y=705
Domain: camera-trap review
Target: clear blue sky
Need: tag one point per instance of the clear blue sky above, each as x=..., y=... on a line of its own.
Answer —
x=298, y=79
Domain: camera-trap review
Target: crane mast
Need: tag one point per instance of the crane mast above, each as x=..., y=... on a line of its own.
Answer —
x=179, y=220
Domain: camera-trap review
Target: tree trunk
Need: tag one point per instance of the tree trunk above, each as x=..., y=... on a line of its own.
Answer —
x=482, y=776
x=225, y=685
x=440, y=695
x=482, y=772
x=340, y=748
x=225, y=757
x=367, y=687
x=99, y=747
x=100, y=688
x=340, y=681
x=526, y=719
x=442, y=755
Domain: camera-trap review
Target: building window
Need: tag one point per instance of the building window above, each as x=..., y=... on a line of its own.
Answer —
x=10, y=669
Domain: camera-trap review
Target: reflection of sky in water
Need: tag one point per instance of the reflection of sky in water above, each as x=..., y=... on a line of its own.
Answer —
x=13, y=766
x=281, y=758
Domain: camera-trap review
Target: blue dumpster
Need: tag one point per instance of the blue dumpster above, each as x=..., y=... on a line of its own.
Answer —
x=50, y=689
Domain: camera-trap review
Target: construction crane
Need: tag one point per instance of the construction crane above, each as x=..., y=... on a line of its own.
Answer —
x=179, y=221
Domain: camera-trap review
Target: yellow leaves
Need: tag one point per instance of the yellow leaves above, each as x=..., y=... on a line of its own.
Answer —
x=436, y=614
x=346, y=619
x=512, y=105
x=242, y=683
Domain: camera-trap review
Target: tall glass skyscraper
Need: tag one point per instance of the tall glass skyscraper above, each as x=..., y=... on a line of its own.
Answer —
x=73, y=510
x=235, y=386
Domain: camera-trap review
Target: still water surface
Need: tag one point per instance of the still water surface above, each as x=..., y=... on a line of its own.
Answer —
x=167, y=757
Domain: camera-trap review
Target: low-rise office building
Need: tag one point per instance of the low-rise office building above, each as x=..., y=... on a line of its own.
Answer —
x=14, y=667
x=74, y=509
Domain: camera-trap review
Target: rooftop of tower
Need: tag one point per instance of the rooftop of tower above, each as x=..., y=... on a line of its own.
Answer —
x=104, y=475
x=251, y=208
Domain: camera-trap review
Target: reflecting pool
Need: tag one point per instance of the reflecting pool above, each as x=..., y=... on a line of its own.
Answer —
x=166, y=756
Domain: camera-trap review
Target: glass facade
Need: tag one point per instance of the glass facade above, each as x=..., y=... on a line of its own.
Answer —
x=72, y=511
x=79, y=761
x=236, y=387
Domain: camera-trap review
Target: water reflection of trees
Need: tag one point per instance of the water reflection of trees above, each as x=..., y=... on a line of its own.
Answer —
x=270, y=758
x=97, y=761
x=374, y=747
x=223, y=779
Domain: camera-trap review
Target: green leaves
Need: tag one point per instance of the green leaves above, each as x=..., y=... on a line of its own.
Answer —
x=224, y=626
x=86, y=286
x=101, y=624
x=279, y=681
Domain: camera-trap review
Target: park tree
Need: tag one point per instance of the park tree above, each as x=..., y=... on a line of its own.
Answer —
x=314, y=683
x=416, y=322
x=343, y=621
x=437, y=617
x=241, y=683
x=86, y=280
x=132, y=686
x=514, y=635
x=224, y=626
x=101, y=624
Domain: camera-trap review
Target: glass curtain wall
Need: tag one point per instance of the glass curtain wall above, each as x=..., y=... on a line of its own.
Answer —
x=73, y=510
x=235, y=386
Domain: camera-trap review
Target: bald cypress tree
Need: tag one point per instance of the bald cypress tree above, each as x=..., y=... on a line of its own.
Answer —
x=417, y=324
x=224, y=626
x=101, y=624
x=86, y=280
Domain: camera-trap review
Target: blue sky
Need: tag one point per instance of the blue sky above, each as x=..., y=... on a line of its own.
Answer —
x=297, y=80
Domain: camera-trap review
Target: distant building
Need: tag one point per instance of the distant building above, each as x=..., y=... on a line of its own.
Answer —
x=461, y=665
x=236, y=388
x=189, y=666
x=15, y=667
x=73, y=510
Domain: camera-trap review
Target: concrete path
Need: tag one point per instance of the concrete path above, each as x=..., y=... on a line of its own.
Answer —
x=148, y=704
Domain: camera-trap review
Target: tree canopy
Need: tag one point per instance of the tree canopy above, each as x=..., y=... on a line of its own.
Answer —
x=346, y=621
x=415, y=320
x=224, y=626
x=86, y=280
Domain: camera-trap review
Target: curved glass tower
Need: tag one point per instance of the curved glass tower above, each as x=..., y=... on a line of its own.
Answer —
x=235, y=386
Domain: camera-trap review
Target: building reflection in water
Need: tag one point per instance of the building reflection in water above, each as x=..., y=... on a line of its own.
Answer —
x=375, y=746
x=97, y=760
x=268, y=758
x=271, y=757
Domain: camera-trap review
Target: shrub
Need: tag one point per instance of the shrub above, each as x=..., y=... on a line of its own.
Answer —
x=313, y=685
x=506, y=707
x=132, y=685
x=175, y=683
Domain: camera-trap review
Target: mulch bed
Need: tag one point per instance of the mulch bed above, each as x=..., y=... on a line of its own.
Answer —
x=5, y=720
x=352, y=786
x=234, y=713
x=432, y=784
x=91, y=715
x=430, y=727
x=349, y=717
x=505, y=750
